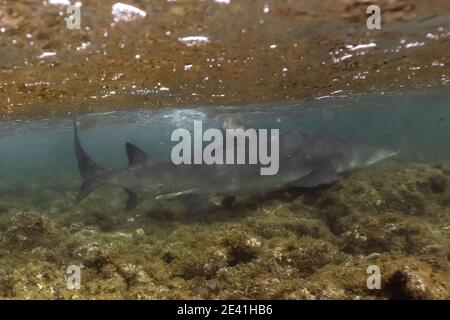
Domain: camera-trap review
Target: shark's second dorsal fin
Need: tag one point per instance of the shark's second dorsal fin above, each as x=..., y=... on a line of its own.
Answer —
x=135, y=155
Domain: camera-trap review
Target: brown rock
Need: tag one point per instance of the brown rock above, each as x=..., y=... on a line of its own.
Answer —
x=405, y=284
x=438, y=184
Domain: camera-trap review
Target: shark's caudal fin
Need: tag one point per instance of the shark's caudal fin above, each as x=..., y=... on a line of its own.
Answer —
x=91, y=173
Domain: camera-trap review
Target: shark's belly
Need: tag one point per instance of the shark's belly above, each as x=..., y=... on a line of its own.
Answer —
x=234, y=179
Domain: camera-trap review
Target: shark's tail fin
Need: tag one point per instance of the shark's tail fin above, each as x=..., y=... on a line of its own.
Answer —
x=91, y=173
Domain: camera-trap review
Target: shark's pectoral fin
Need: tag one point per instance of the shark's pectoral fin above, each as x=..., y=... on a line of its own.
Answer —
x=133, y=199
x=323, y=173
x=195, y=202
x=174, y=195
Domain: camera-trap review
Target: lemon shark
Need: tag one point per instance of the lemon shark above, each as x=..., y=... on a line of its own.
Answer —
x=305, y=161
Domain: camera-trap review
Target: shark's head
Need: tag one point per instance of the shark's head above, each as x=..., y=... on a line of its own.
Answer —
x=343, y=153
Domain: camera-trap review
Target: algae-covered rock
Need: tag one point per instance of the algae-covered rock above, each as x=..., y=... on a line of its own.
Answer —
x=138, y=235
x=404, y=284
x=241, y=247
x=313, y=244
x=28, y=230
x=205, y=263
x=307, y=259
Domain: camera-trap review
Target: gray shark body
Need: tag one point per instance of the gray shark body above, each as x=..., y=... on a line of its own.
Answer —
x=305, y=161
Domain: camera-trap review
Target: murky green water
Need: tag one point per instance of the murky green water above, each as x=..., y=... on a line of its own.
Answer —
x=413, y=123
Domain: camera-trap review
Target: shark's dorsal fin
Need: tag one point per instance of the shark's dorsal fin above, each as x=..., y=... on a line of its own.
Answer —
x=135, y=155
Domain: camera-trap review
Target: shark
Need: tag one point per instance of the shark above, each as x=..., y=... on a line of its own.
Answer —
x=305, y=161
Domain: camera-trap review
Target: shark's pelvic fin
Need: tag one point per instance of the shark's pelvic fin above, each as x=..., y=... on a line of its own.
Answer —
x=86, y=188
x=133, y=199
x=323, y=173
x=135, y=155
x=90, y=171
